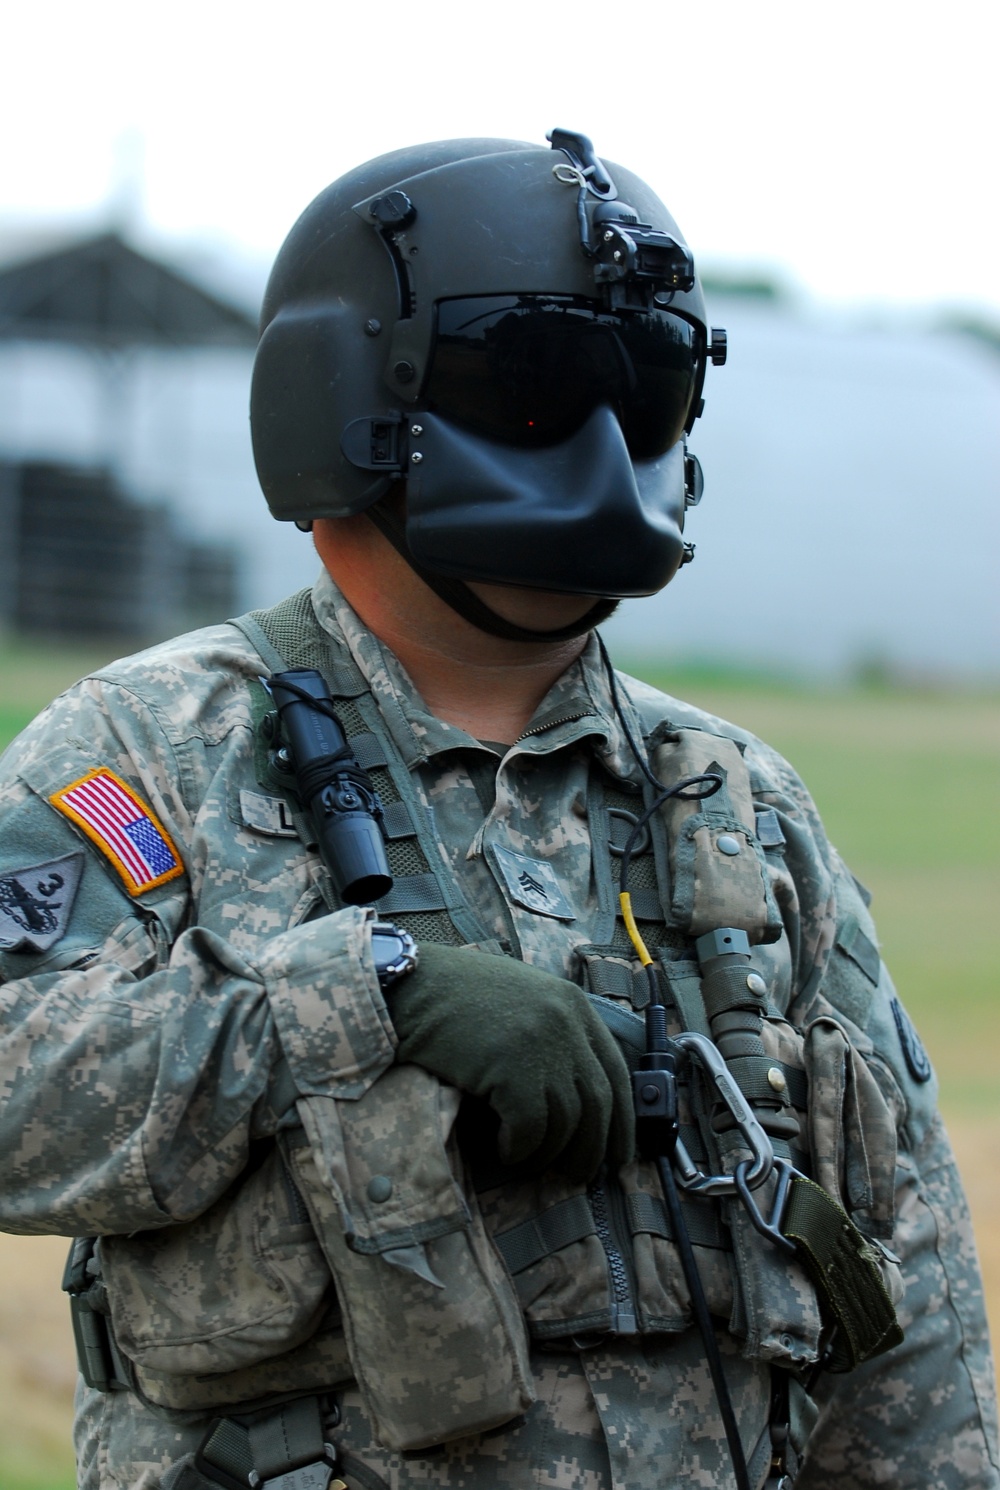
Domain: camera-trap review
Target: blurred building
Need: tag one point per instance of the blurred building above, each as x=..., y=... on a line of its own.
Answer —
x=80, y=557
x=128, y=499
x=852, y=503
x=851, y=516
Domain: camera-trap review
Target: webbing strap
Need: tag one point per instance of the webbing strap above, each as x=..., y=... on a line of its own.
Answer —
x=397, y=820
x=569, y=1221
x=270, y=631
x=368, y=750
x=624, y=1024
x=227, y=1447
x=268, y=1444
x=645, y=904
x=751, y=1072
x=412, y=892
x=844, y=1266
x=726, y=988
x=287, y=1438
x=290, y=635
x=613, y=978
x=649, y=1213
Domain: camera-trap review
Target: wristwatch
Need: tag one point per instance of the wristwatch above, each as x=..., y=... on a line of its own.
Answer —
x=394, y=953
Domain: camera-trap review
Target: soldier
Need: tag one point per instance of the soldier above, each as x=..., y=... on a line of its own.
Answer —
x=601, y=1152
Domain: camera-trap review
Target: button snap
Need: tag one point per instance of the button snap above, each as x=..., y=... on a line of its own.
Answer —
x=379, y=1188
x=756, y=984
x=776, y=1079
x=727, y=844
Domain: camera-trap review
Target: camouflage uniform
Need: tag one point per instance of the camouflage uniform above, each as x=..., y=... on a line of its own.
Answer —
x=144, y=1035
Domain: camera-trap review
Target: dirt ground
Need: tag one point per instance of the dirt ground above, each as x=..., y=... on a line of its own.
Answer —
x=37, y=1370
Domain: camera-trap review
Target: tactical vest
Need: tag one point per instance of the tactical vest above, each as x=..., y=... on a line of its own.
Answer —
x=347, y=1255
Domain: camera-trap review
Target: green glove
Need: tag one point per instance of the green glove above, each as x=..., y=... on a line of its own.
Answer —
x=530, y=1045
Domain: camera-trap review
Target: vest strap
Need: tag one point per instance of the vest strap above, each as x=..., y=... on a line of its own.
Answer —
x=412, y=892
x=569, y=1221
x=282, y=1449
x=844, y=1266
x=649, y=1213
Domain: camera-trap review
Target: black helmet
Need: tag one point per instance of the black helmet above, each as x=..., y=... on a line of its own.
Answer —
x=519, y=333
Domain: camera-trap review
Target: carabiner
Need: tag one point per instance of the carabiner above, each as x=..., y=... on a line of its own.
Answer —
x=753, y=1171
x=769, y=1229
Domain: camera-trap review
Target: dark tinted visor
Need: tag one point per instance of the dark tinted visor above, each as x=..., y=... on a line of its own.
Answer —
x=529, y=369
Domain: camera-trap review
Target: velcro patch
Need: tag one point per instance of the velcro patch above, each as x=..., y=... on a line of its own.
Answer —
x=860, y=949
x=121, y=825
x=35, y=903
x=769, y=833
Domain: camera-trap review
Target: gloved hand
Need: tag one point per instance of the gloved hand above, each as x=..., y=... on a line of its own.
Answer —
x=529, y=1044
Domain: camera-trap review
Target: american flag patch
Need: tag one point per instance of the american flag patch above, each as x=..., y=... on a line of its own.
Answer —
x=123, y=827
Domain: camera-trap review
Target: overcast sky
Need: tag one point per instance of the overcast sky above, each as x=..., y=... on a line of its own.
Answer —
x=851, y=145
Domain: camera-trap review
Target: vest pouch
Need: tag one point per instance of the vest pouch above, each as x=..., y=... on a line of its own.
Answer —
x=776, y=1310
x=663, y=1300
x=232, y=1307
x=851, y=1140
x=718, y=874
x=432, y=1322
x=852, y=1132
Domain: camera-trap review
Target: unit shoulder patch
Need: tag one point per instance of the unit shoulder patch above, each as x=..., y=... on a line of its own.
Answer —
x=914, y=1054
x=126, y=831
x=36, y=903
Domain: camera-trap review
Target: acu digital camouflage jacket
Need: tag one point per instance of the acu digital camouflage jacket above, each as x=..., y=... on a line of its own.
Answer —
x=177, y=1003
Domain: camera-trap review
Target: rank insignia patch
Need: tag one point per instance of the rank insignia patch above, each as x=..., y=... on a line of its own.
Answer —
x=125, y=830
x=35, y=903
x=532, y=884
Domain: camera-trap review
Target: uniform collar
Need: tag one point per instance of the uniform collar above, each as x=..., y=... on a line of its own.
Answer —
x=578, y=707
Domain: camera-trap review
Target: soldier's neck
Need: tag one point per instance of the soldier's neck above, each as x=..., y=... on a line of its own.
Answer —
x=486, y=685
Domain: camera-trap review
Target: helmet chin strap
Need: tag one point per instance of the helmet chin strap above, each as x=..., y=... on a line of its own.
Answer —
x=456, y=594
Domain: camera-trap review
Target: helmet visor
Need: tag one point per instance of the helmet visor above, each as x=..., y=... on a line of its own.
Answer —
x=529, y=370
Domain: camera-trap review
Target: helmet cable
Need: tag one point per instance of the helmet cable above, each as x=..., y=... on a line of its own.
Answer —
x=660, y=1060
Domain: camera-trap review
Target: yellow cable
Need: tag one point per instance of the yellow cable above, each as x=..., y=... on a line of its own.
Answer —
x=633, y=930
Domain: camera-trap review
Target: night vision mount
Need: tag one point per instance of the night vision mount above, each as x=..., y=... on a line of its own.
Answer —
x=635, y=263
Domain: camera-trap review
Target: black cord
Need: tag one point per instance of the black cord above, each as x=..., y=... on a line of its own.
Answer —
x=713, y=782
x=699, y=1304
x=640, y=759
x=342, y=765
x=321, y=705
x=699, y=1307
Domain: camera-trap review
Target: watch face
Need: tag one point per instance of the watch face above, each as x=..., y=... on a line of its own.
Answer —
x=394, y=952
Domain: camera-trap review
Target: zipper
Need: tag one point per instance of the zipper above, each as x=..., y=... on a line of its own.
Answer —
x=539, y=729
x=623, y=1321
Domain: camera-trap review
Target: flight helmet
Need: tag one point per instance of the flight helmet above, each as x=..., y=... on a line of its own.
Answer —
x=515, y=338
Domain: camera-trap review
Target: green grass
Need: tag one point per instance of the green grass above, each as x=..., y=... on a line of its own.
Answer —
x=12, y=1480
x=33, y=672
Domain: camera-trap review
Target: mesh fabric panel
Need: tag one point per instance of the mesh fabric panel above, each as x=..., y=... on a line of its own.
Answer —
x=291, y=628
